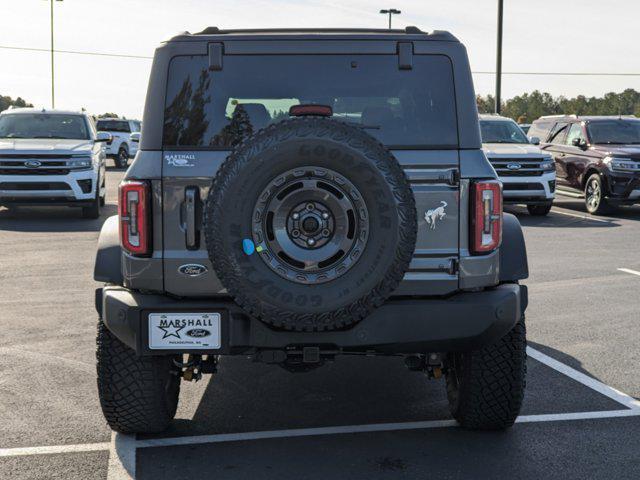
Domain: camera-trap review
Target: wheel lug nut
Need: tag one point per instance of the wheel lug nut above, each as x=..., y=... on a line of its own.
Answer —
x=310, y=206
x=311, y=241
x=295, y=233
x=326, y=232
x=296, y=216
x=325, y=215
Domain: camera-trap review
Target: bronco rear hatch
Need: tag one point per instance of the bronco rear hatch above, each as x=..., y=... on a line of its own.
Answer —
x=400, y=93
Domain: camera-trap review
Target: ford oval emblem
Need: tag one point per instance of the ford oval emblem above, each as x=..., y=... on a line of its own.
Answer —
x=193, y=269
x=514, y=166
x=32, y=164
x=198, y=333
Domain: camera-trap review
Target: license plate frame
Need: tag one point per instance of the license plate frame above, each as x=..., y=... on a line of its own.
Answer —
x=184, y=331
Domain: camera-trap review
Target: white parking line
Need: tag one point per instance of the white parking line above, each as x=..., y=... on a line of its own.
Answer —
x=379, y=427
x=125, y=467
x=122, y=457
x=628, y=270
x=53, y=449
x=582, y=217
x=586, y=380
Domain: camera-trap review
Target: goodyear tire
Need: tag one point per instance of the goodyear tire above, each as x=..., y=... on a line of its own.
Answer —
x=310, y=224
x=486, y=387
x=137, y=394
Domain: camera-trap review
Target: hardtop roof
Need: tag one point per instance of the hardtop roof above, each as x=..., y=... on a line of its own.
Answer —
x=408, y=33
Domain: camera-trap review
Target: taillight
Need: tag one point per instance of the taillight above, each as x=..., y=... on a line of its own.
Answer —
x=310, y=109
x=134, y=212
x=486, y=228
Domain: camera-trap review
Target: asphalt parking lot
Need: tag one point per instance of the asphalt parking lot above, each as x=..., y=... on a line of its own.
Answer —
x=355, y=418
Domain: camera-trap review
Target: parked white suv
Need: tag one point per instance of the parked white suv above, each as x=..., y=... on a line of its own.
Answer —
x=52, y=157
x=126, y=137
x=528, y=175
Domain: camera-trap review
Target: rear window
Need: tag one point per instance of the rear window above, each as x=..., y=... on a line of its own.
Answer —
x=540, y=130
x=113, y=126
x=402, y=108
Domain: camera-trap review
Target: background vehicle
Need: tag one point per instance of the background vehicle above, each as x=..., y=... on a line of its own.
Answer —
x=52, y=157
x=308, y=214
x=525, y=127
x=527, y=174
x=123, y=145
x=597, y=158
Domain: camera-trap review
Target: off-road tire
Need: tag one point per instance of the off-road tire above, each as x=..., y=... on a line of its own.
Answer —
x=601, y=206
x=485, y=388
x=539, y=210
x=92, y=211
x=137, y=394
x=250, y=170
x=122, y=158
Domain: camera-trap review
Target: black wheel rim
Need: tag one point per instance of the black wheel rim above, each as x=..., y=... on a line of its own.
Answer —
x=123, y=157
x=594, y=194
x=310, y=225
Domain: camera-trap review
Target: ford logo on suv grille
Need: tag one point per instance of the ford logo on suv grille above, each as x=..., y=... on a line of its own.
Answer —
x=32, y=164
x=514, y=166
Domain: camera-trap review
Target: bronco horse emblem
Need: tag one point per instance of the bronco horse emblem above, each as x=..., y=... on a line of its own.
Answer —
x=435, y=214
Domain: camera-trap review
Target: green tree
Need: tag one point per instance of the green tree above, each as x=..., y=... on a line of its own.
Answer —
x=6, y=102
x=536, y=104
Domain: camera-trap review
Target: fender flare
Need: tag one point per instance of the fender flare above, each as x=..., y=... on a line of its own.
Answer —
x=108, y=267
x=513, y=251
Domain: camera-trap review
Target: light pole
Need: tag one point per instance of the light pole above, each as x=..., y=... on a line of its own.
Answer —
x=390, y=12
x=499, y=58
x=53, y=95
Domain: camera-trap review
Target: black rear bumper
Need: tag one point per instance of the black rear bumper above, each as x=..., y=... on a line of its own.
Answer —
x=464, y=321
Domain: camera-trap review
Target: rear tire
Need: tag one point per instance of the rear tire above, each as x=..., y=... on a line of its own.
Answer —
x=485, y=387
x=539, y=210
x=137, y=394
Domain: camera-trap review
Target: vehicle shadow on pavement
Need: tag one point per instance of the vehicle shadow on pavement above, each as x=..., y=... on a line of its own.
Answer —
x=249, y=397
x=52, y=219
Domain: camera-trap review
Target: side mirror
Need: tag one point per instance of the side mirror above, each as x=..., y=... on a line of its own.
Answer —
x=579, y=142
x=104, y=137
x=534, y=140
x=135, y=137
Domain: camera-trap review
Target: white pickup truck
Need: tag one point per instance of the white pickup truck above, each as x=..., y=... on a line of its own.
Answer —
x=125, y=138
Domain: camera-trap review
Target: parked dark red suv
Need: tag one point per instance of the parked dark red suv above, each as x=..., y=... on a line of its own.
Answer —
x=597, y=158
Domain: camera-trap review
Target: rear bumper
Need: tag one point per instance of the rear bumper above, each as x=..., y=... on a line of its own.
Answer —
x=464, y=321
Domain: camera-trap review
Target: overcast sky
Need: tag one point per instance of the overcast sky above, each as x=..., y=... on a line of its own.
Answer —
x=540, y=35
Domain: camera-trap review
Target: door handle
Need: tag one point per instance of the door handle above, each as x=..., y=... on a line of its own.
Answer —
x=192, y=236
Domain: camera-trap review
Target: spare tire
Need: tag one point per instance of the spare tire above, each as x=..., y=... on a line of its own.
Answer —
x=310, y=224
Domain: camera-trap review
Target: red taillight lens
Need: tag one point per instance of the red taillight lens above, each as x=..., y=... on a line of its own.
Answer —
x=302, y=110
x=486, y=205
x=133, y=210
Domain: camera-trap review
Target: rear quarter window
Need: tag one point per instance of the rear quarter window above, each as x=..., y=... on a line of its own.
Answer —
x=540, y=130
x=402, y=108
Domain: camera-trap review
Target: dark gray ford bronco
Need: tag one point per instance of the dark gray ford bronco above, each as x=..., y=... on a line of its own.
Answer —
x=303, y=194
